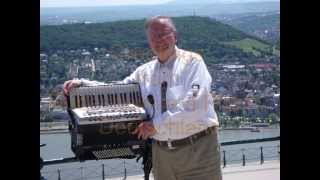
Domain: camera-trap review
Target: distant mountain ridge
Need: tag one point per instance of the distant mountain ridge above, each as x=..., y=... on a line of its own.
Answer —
x=56, y=16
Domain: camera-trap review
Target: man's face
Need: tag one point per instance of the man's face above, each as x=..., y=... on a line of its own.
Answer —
x=161, y=38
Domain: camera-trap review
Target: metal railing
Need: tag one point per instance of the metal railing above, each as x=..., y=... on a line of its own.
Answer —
x=123, y=168
x=250, y=155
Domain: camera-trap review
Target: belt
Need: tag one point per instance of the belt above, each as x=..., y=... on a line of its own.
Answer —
x=172, y=144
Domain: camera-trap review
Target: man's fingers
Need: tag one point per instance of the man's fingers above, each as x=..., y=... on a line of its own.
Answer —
x=66, y=88
x=151, y=132
x=135, y=131
x=68, y=85
x=144, y=130
x=149, y=127
x=138, y=128
x=140, y=134
x=145, y=136
x=141, y=125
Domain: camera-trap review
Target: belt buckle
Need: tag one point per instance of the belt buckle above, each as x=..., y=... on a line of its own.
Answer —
x=170, y=145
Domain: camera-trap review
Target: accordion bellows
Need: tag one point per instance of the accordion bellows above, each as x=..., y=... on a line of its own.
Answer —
x=102, y=120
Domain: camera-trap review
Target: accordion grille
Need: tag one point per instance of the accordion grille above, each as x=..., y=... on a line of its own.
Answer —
x=104, y=95
x=111, y=153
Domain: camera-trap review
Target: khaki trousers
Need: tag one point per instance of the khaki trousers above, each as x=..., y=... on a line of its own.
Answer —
x=197, y=161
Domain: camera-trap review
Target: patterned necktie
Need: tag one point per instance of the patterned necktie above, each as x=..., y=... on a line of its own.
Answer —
x=163, y=96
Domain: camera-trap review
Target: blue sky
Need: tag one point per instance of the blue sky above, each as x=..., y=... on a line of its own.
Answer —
x=82, y=3
x=69, y=3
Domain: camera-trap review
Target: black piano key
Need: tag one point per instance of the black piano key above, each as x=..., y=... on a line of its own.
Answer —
x=112, y=102
x=86, y=101
x=121, y=98
x=99, y=100
x=116, y=98
x=103, y=100
x=125, y=98
x=93, y=100
x=89, y=101
x=138, y=98
x=130, y=100
x=134, y=98
x=109, y=99
x=80, y=103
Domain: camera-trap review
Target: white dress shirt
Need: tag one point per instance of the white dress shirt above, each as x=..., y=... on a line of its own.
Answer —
x=189, y=110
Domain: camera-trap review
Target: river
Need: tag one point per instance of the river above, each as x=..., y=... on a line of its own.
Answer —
x=58, y=145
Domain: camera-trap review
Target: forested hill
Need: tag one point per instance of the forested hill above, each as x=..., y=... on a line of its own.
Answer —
x=263, y=25
x=209, y=37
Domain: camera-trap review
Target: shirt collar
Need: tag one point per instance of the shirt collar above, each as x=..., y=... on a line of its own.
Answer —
x=170, y=60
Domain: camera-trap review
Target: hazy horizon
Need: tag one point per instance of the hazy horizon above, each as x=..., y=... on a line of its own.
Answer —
x=101, y=3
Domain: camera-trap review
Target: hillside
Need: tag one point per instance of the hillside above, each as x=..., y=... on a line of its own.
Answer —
x=263, y=25
x=200, y=34
x=111, y=51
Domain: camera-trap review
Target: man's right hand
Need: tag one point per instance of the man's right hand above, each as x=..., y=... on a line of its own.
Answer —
x=68, y=85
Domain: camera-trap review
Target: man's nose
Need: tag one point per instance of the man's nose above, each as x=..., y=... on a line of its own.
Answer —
x=159, y=40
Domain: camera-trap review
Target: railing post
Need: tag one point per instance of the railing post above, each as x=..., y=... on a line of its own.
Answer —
x=125, y=170
x=103, y=177
x=41, y=166
x=81, y=168
x=279, y=151
x=224, y=158
x=59, y=175
x=261, y=155
x=243, y=158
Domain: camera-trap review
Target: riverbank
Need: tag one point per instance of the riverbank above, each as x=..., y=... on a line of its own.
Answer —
x=62, y=127
x=246, y=128
x=53, y=127
x=274, y=126
x=55, y=131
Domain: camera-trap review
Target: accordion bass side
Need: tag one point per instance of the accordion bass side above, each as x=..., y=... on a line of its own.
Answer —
x=102, y=120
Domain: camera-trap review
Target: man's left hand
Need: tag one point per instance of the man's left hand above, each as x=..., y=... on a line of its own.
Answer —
x=145, y=130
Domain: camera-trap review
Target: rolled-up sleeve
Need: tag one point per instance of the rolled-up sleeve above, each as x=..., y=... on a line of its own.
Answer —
x=133, y=77
x=86, y=82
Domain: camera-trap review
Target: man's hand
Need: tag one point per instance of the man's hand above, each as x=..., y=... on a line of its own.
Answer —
x=68, y=85
x=145, y=130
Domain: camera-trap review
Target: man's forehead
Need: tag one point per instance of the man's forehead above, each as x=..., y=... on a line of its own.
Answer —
x=162, y=24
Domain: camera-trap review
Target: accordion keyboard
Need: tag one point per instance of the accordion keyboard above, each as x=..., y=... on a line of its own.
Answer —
x=110, y=94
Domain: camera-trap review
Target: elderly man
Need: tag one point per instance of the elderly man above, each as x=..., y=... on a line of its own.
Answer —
x=184, y=126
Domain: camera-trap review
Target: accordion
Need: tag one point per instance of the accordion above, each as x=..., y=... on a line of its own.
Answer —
x=102, y=120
